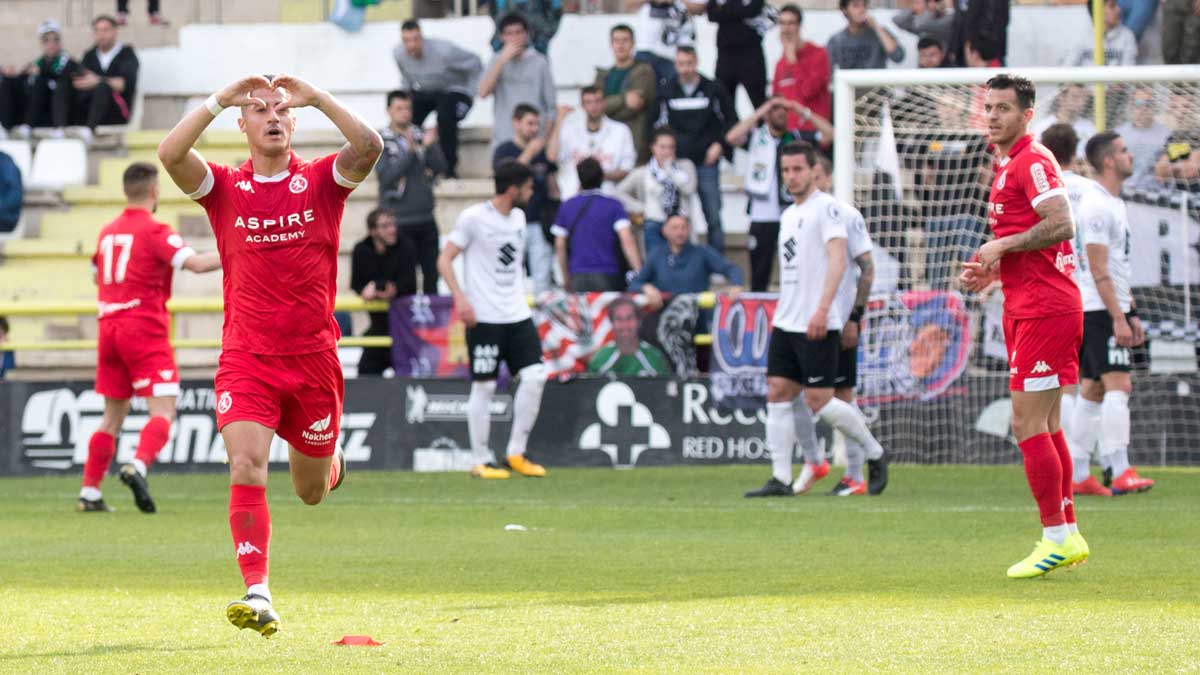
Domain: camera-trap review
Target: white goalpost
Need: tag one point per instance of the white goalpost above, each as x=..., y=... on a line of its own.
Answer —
x=910, y=151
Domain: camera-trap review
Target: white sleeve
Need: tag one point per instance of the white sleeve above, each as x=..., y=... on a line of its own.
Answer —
x=463, y=232
x=181, y=256
x=858, y=241
x=622, y=224
x=342, y=180
x=206, y=185
x=1094, y=223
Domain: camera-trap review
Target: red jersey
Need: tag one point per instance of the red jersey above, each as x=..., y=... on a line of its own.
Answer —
x=135, y=259
x=805, y=81
x=278, y=238
x=1036, y=283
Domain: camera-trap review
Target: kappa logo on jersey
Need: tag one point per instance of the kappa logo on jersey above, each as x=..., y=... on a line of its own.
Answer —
x=507, y=254
x=789, y=249
x=1040, y=182
x=246, y=548
x=298, y=184
x=1040, y=367
x=245, y=186
x=224, y=403
x=139, y=384
x=166, y=374
x=318, y=432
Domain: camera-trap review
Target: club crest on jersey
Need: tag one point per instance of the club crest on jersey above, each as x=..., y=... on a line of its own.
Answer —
x=224, y=403
x=1003, y=176
x=299, y=184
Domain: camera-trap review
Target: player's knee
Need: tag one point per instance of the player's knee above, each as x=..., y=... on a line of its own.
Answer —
x=311, y=494
x=533, y=376
x=818, y=398
x=780, y=390
x=1121, y=382
x=1092, y=390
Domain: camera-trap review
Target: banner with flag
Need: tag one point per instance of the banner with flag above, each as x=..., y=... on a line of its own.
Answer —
x=428, y=338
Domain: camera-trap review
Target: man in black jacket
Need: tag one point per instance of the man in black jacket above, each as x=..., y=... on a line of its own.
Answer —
x=411, y=159
x=701, y=112
x=106, y=86
x=382, y=267
x=740, y=59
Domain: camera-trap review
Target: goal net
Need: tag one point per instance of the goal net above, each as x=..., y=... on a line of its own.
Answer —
x=911, y=153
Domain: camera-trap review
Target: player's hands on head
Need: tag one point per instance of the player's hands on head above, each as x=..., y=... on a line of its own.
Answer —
x=300, y=94
x=240, y=93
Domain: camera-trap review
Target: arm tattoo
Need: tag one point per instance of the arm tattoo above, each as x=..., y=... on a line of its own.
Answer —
x=1056, y=225
x=866, y=278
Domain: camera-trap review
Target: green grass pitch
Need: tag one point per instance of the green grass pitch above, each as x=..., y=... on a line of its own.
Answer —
x=646, y=571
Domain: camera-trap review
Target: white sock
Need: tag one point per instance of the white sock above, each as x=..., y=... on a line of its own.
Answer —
x=1056, y=533
x=847, y=419
x=89, y=493
x=1066, y=408
x=526, y=404
x=139, y=465
x=806, y=433
x=1073, y=528
x=1081, y=436
x=781, y=437
x=1114, y=422
x=479, y=420
x=259, y=589
x=856, y=454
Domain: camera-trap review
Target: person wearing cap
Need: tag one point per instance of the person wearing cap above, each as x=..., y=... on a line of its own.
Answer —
x=39, y=94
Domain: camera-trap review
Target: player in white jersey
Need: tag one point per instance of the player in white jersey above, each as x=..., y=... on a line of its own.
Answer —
x=491, y=302
x=802, y=358
x=852, y=296
x=1110, y=324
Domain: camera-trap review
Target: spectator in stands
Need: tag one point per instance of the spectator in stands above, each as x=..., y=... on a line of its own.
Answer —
x=629, y=89
x=156, y=19
x=593, y=236
x=981, y=52
x=382, y=267
x=682, y=267
x=590, y=134
x=863, y=43
x=662, y=26
x=7, y=362
x=928, y=19
x=659, y=189
x=528, y=147
x=39, y=94
x=802, y=73
x=106, y=86
x=1145, y=137
x=1120, y=44
x=983, y=23
x=701, y=112
x=740, y=59
x=516, y=75
x=628, y=354
x=1071, y=106
x=12, y=192
x=440, y=77
x=1178, y=166
x=1181, y=31
x=541, y=19
x=407, y=168
x=931, y=53
x=762, y=135
x=1138, y=15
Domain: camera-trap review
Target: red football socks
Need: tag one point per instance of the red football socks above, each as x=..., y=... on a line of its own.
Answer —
x=250, y=523
x=1045, y=474
x=152, y=439
x=101, y=448
x=1068, y=473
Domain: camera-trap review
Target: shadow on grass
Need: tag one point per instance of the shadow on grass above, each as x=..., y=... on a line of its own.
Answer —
x=102, y=650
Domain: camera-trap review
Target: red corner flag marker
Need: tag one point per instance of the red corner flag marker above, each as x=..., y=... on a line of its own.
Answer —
x=357, y=641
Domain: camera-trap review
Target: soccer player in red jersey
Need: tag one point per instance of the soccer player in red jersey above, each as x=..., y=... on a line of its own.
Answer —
x=277, y=220
x=135, y=259
x=1030, y=215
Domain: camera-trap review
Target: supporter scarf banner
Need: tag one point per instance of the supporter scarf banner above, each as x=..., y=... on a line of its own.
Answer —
x=913, y=345
x=428, y=338
x=574, y=327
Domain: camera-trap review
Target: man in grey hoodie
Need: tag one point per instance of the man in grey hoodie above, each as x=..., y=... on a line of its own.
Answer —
x=439, y=76
x=411, y=159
